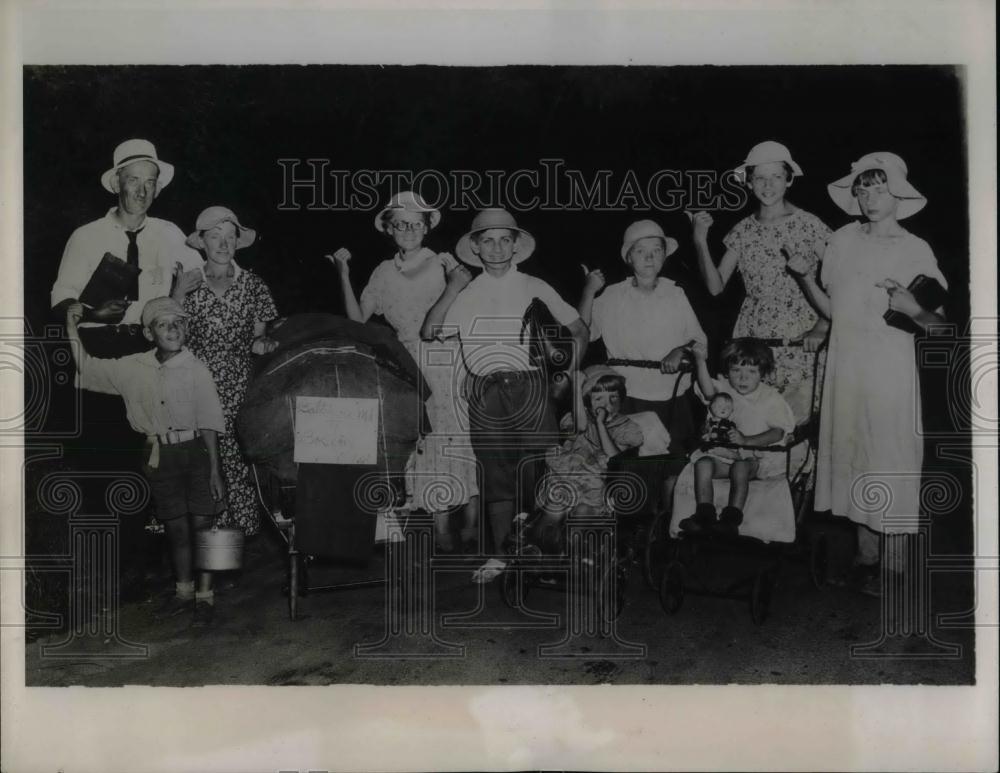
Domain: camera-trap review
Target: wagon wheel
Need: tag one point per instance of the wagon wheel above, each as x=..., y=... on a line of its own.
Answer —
x=672, y=588
x=760, y=596
x=819, y=561
x=654, y=552
x=513, y=588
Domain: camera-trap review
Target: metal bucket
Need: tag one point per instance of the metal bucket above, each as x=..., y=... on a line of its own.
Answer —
x=218, y=550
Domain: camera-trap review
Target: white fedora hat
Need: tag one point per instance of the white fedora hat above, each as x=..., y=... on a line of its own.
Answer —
x=131, y=151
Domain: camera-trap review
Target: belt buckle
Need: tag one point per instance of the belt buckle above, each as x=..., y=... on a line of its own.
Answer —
x=173, y=437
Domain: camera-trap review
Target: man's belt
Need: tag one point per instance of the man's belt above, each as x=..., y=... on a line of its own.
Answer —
x=173, y=437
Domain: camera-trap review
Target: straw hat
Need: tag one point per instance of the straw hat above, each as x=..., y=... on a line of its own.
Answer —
x=494, y=217
x=642, y=229
x=767, y=152
x=131, y=151
x=409, y=202
x=211, y=217
x=911, y=200
x=159, y=307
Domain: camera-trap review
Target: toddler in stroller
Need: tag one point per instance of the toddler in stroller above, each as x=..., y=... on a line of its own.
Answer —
x=760, y=418
x=575, y=481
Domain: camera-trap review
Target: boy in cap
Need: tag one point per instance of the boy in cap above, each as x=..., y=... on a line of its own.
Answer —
x=171, y=399
x=510, y=413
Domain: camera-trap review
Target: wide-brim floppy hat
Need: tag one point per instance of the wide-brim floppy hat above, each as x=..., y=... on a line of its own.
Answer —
x=911, y=200
x=159, y=307
x=211, y=217
x=409, y=202
x=642, y=229
x=595, y=373
x=495, y=217
x=767, y=152
x=131, y=151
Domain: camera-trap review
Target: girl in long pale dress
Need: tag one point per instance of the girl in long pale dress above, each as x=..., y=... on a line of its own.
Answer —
x=758, y=246
x=871, y=443
x=441, y=474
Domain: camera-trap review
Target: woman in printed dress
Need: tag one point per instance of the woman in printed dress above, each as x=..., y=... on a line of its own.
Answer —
x=441, y=474
x=760, y=246
x=230, y=308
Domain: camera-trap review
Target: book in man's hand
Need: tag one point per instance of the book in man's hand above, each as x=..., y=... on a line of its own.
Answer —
x=928, y=293
x=112, y=280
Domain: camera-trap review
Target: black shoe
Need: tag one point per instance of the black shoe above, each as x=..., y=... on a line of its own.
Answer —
x=203, y=614
x=702, y=522
x=173, y=606
x=729, y=521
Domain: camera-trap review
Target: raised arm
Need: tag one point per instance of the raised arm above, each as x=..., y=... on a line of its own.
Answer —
x=457, y=280
x=354, y=311
x=715, y=278
x=700, y=352
x=591, y=287
x=74, y=313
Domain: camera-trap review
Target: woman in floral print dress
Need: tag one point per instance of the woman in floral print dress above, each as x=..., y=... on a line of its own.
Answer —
x=760, y=246
x=229, y=308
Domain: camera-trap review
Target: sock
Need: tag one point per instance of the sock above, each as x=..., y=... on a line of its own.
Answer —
x=184, y=590
x=205, y=596
x=705, y=510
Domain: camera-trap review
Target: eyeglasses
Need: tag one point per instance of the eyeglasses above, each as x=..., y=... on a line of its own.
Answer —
x=401, y=225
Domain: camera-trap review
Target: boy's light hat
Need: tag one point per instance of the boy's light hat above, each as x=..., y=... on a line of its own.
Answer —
x=911, y=200
x=211, y=217
x=767, y=152
x=131, y=151
x=159, y=307
x=642, y=229
x=595, y=373
x=409, y=202
x=494, y=217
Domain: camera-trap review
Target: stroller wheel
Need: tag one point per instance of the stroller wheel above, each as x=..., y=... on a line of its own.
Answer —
x=672, y=588
x=760, y=597
x=819, y=561
x=655, y=549
x=513, y=588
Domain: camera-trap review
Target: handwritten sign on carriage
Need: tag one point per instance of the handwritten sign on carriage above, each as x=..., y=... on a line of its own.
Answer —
x=336, y=430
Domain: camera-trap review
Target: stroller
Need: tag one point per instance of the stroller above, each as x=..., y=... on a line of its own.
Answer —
x=599, y=552
x=771, y=531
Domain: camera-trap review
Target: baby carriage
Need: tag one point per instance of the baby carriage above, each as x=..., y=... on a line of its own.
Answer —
x=594, y=554
x=746, y=566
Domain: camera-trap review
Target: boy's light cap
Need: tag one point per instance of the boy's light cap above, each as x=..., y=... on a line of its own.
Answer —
x=494, y=217
x=911, y=200
x=159, y=307
x=408, y=201
x=642, y=229
x=767, y=152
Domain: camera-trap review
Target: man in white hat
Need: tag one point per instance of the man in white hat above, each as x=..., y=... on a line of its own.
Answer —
x=145, y=252
x=510, y=412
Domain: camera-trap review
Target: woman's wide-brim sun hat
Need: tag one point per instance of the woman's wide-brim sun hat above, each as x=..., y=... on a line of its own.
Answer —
x=642, y=229
x=131, y=151
x=408, y=201
x=213, y=216
x=495, y=217
x=911, y=200
x=767, y=152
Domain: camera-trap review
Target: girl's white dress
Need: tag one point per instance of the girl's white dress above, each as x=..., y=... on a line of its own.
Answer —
x=441, y=473
x=871, y=440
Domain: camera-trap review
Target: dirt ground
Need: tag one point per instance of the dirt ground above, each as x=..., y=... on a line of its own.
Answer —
x=460, y=633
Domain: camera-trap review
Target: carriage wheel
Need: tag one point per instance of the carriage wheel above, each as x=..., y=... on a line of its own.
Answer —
x=819, y=561
x=672, y=588
x=654, y=551
x=513, y=588
x=760, y=597
x=293, y=585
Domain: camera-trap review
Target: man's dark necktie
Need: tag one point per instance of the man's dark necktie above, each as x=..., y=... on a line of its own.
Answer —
x=132, y=258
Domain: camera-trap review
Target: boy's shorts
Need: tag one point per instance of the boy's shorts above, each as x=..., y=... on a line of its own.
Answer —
x=180, y=483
